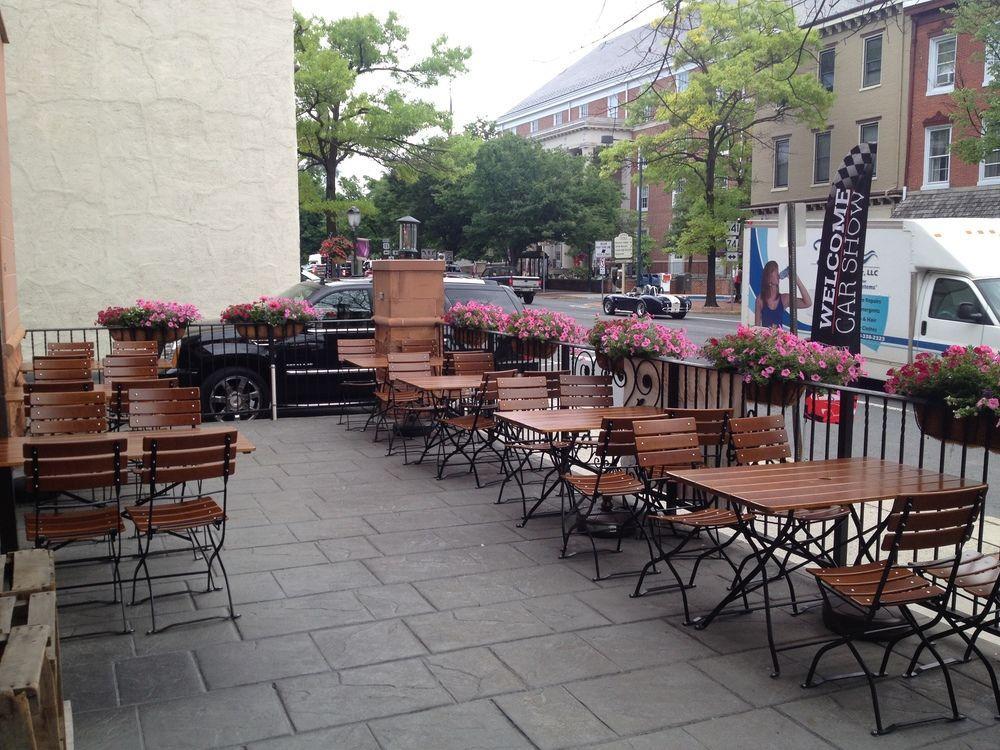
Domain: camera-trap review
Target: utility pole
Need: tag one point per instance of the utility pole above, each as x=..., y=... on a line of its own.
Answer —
x=793, y=292
x=638, y=203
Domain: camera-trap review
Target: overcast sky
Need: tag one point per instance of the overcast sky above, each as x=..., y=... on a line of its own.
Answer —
x=517, y=45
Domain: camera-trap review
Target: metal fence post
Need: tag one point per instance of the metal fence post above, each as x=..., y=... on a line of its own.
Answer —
x=274, y=375
x=671, y=398
x=845, y=448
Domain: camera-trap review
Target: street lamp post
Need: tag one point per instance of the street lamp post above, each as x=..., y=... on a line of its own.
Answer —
x=638, y=203
x=353, y=221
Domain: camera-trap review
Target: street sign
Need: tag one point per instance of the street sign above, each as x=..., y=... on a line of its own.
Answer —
x=603, y=249
x=732, y=257
x=385, y=244
x=623, y=247
x=602, y=266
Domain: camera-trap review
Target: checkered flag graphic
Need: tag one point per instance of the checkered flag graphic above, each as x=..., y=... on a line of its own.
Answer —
x=857, y=167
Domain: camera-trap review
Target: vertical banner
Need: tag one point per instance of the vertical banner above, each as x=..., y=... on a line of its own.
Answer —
x=362, y=249
x=837, y=308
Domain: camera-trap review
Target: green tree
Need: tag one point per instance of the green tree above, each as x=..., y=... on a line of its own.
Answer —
x=521, y=193
x=978, y=110
x=745, y=61
x=344, y=107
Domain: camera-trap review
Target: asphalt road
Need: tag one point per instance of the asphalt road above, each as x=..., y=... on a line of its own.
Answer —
x=585, y=307
x=816, y=436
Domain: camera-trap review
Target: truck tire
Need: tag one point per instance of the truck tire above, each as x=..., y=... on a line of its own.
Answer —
x=529, y=298
x=233, y=394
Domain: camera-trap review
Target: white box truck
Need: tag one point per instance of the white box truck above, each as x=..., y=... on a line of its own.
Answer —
x=927, y=284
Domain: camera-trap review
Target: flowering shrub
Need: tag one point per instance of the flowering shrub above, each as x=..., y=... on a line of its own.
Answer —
x=639, y=337
x=335, y=248
x=764, y=354
x=477, y=315
x=966, y=378
x=147, y=313
x=274, y=311
x=543, y=325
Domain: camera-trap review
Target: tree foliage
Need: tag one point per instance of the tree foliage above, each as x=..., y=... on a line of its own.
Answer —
x=350, y=76
x=747, y=63
x=978, y=111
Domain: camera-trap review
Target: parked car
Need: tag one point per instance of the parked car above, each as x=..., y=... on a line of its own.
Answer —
x=234, y=374
x=524, y=287
x=648, y=301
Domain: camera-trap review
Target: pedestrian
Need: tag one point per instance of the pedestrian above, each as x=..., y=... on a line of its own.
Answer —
x=738, y=286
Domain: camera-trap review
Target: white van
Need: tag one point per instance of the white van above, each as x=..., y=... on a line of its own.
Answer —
x=928, y=284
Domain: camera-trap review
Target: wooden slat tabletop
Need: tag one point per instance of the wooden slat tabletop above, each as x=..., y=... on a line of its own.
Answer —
x=806, y=485
x=12, y=449
x=379, y=361
x=573, y=420
x=442, y=382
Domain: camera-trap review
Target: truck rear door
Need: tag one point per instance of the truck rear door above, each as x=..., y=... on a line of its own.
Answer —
x=951, y=312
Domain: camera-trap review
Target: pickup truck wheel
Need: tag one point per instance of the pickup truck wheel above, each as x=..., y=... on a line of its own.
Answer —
x=609, y=307
x=529, y=298
x=233, y=394
x=640, y=308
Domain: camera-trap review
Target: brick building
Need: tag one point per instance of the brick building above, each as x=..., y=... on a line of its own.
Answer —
x=938, y=183
x=584, y=109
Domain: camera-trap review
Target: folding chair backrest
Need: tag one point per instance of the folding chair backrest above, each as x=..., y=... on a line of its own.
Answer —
x=667, y=443
x=712, y=424
x=408, y=363
x=75, y=465
x=157, y=408
x=552, y=378
x=80, y=349
x=70, y=413
x=187, y=457
x=617, y=437
x=933, y=520
x=117, y=367
x=469, y=363
x=347, y=347
x=61, y=368
x=58, y=386
x=420, y=345
x=135, y=347
x=490, y=389
x=757, y=439
x=120, y=390
x=585, y=391
x=514, y=394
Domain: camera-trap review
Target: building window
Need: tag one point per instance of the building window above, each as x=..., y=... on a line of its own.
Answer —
x=989, y=168
x=557, y=119
x=582, y=110
x=937, y=156
x=682, y=80
x=872, y=64
x=868, y=133
x=990, y=62
x=644, y=198
x=613, y=106
x=781, y=162
x=941, y=65
x=821, y=158
x=533, y=127
x=827, y=58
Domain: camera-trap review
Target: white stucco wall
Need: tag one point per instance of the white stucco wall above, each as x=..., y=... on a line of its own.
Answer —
x=153, y=153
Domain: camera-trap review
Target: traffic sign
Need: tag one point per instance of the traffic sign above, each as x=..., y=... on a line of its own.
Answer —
x=602, y=267
x=732, y=257
x=602, y=249
x=623, y=247
x=385, y=244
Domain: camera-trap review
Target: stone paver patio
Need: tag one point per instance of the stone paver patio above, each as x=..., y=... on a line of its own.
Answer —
x=381, y=608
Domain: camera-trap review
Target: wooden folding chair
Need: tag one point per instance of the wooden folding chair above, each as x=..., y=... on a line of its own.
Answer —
x=175, y=469
x=135, y=347
x=712, y=426
x=58, y=368
x=663, y=445
x=405, y=406
x=468, y=363
x=77, y=349
x=931, y=522
x=585, y=391
x=68, y=413
x=364, y=380
x=118, y=406
x=163, y=408
x=56, y=473
x=120, y=366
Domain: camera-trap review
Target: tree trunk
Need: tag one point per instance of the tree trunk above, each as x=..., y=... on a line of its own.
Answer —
x=710, y=300
x=330, y=195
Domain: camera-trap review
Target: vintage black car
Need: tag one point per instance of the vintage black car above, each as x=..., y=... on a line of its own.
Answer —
x=234, y=373
x=648, y=301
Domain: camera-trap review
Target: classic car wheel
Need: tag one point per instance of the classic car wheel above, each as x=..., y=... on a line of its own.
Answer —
x=640, y=308
x=609, y=306
x=233, y=393
x=678, y=316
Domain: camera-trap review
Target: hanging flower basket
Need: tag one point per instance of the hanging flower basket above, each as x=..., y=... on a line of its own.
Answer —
x=148, y=320
x=606, y=363
x=538, y=332
x=776, y=392
x=264, y=331
x=937, y=421
x=530, y=348
x=469, y=338
x=160, y=334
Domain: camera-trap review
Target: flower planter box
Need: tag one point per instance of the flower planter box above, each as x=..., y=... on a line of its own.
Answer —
x=937, y=421
x=528, y=348
x=775, y=393
x=616, y=366
x=160, y=334
x=469, y=338
x=261, y=331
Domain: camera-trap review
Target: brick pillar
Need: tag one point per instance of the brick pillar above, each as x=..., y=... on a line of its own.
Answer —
x=408, y=300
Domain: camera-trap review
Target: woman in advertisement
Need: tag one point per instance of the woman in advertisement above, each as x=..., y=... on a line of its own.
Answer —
x=772, y=303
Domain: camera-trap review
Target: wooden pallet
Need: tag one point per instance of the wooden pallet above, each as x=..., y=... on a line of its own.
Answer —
x=33, y=715
x=27, y=572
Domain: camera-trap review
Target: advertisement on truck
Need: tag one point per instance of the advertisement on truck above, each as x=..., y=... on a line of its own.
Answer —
x=926, y=284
